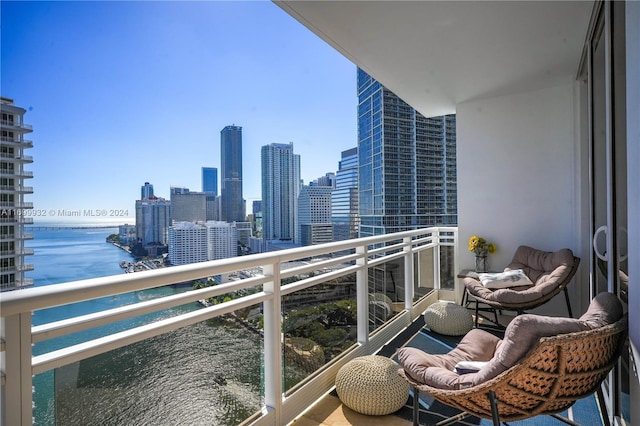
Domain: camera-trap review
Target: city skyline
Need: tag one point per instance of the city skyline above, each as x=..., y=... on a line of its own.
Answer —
x=122, y=93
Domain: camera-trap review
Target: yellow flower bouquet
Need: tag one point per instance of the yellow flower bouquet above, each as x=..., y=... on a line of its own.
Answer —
x=480, y=246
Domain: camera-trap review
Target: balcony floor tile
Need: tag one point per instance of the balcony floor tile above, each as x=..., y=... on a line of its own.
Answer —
x=331, y=412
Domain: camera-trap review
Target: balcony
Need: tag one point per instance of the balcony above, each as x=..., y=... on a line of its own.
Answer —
x=17, y=204
x=17, y=125
x=17, y=143
x=409, y=267
x=13, y=189
x=16, y=173
x=16, y=219
x=20, y=158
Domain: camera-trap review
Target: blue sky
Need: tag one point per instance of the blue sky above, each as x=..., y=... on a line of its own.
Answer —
x=121, y=93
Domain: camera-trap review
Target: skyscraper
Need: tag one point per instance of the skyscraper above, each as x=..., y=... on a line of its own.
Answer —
x=407, y=163
x=231, y=168
x=12, y=204
x=344, y=198
x=314, y=215
x=280, y=190
x=146, y=191
x=210, y=180
x=153, y=218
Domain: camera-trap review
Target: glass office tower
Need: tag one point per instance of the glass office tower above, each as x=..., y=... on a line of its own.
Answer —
x=210, y=180
x=344, y=199
x=232, y=208
x=407, y=163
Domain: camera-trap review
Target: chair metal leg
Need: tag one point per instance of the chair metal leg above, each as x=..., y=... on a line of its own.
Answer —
x=566, y=297
x=477, y=313
x=416, y=405
x=458, y=417
x=494, y=408
x=564, y=420
x=416, y=411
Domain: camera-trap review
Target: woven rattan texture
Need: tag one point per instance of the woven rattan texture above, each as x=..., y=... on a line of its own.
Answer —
x=371, y=385
x=552, y=377
x=448, y=318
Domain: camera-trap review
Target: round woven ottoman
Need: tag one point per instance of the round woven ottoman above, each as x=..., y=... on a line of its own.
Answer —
x=371, y=385
x=448, y=318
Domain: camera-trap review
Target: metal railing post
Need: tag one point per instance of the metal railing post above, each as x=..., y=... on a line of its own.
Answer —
x=408, y=274
x=17, y=403
x=436, y=260
x=362, y=295
x=272, y=343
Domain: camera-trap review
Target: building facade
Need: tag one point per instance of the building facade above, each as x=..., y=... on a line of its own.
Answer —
x=231, y=170
x=13, y=209
x=210, y=180
x=187, y=243
x=191, y=242
x=222, y=240
x=407, y=163
x=344, y=198
x=280, y=191
x=314, y=215
x=153, y=218
x=187, y=206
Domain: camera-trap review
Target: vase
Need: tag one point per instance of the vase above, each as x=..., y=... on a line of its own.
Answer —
x=481, y=263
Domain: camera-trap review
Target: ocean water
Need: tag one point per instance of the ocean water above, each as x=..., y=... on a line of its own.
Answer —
x=172, y=379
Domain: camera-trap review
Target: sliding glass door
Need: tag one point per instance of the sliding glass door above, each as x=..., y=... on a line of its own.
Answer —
x=608, y=179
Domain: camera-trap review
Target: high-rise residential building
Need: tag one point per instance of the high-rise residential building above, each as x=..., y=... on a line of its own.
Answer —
x=187, y=243
x=12, y=204
x=187, y=206
x=314, y=215
x=191, y=242
x=222, y=240
x=210, y=180
x=407, y=163
x=146, y=191
x=344, y=198
x=280, y=190
x=231, y=170
x=153, y=218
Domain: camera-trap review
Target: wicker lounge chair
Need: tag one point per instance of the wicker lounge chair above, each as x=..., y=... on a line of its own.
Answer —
x=551, y=377
x=549, y=272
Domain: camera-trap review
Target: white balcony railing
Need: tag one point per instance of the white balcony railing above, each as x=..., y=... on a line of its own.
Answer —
x=416, y=256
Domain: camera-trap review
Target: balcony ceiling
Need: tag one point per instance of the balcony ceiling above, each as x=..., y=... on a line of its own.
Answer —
x=436, y=54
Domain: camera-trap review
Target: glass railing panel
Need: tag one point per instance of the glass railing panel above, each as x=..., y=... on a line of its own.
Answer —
x=319, y=323
x=447, y=268
x=385, y=292
x=423, y=272
x=206, y=373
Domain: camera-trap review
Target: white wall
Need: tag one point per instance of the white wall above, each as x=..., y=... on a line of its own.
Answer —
x=516, y=173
